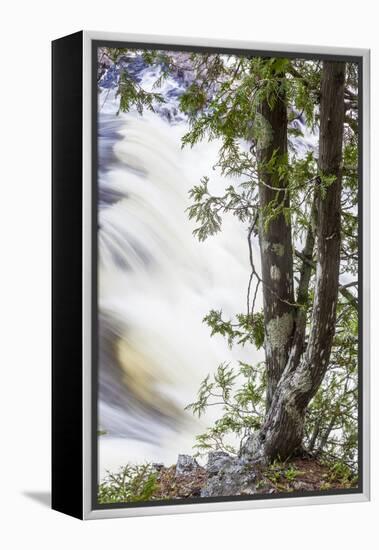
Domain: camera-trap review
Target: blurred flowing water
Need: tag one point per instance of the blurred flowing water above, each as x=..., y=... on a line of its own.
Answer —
x=157, y=282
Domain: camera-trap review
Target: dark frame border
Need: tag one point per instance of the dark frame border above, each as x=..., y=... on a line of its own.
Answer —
x=67, y=291
x=95, y=44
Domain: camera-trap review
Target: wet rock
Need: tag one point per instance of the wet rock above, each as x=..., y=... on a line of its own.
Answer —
x=185, y=465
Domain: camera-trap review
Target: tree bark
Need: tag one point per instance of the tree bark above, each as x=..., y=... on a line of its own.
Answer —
x=282, y=431
x=275, y=245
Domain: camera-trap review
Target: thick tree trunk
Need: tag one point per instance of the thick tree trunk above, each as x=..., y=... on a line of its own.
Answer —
x=282, y=432
x=275, y=246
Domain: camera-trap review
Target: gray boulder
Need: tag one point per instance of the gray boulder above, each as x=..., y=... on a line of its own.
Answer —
x=216, y=460
x=235, y=477
x=157, y=466
x=185, y=465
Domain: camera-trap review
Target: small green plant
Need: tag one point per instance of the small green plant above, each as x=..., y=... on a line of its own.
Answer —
x=132, y=483
x=274, y=476
x=291, y=473
x=274, y=472
x=279, y=472
x=340, y=472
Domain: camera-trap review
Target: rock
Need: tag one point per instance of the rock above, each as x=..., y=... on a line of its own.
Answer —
x=216, y=460
x=157, y=466
x=185, y=465
x=303, y=486
x=235, y=477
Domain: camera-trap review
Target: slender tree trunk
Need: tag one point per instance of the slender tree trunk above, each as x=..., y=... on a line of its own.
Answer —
x=282, y=432
x=275, y=246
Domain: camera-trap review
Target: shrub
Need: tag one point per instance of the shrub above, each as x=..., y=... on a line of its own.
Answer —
x=132, y=483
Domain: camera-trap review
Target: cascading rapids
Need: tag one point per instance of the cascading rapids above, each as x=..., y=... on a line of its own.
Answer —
x=156, y=281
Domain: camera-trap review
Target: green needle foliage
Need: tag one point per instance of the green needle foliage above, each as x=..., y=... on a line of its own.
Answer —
x=132, y=483
x=246, y=329
x=240, y=396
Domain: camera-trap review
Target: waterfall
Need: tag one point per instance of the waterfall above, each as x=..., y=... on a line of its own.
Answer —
x=157, y=282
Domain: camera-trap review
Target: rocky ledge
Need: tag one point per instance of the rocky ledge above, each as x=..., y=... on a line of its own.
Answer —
x=225, y=475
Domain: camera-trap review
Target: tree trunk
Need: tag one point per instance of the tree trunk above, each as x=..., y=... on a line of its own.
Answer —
x=275, y=245
x=282, y=432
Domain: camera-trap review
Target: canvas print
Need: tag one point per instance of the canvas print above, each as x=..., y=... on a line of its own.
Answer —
x=227, y=307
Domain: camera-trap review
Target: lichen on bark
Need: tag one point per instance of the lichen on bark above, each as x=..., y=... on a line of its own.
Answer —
x=278, y=330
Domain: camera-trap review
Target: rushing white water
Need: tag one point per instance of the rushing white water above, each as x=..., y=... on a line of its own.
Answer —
x=156, y=283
